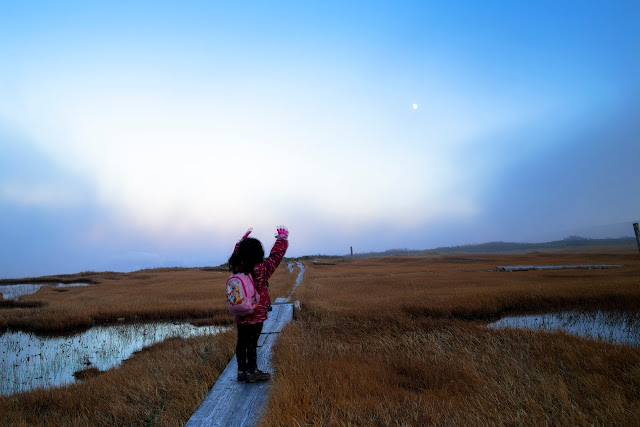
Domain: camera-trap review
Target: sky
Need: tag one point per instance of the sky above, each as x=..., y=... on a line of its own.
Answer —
x=153, y=134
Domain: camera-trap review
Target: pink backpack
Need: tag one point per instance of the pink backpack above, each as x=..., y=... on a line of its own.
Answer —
x=242, y=298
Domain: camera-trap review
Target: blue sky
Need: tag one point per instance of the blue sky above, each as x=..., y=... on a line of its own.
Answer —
x=145, y=134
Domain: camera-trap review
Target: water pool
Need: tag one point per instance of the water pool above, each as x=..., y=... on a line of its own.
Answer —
x=614, y=327
x=29, y=361
x=13, y=292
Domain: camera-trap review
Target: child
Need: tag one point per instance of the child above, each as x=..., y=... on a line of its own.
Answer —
x=248, y=258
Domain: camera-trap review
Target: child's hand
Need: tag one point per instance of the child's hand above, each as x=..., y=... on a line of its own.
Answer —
x=282, y=232
x=246, y=234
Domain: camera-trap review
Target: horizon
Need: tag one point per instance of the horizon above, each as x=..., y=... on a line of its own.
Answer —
x=390, y=251
x=130, y=132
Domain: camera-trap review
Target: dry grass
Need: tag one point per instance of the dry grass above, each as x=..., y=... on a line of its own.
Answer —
x=161, y=294
x=468, y=286
x=162, y=385
x=389, y=342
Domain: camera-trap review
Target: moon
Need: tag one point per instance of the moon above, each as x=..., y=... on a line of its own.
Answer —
x=414, y=106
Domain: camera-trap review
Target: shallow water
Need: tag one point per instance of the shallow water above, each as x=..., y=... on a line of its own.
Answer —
x=14, y=292
x=29, y=361
x=614, y=327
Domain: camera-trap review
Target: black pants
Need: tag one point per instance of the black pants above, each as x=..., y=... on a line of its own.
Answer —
x=246, y=349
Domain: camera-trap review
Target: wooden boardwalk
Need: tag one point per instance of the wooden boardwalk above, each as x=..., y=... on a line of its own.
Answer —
x=233, y=403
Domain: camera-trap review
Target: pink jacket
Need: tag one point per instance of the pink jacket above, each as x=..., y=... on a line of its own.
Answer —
x=261, y=273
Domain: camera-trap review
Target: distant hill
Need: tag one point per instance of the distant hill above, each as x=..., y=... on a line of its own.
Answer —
x=495, y=247
x=571, y=241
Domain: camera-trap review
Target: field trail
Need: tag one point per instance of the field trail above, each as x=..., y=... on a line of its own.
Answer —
x=233, y=403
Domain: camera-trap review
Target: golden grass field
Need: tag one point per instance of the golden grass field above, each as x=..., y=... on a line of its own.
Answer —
x=158, y=294
x=401, y=341
x=380, y=341
x=161, y=385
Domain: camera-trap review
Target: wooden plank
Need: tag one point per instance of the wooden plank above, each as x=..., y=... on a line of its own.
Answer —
x=262, y=338
x=230, y=403
x=233, y=403
x=298, y=280
x=280, y=316
x=264, y=353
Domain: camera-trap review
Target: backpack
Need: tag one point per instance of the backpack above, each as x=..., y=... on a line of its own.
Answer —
x=242, y=298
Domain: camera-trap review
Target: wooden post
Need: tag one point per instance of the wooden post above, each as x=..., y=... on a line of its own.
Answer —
x=636, y=235
x=637, y=230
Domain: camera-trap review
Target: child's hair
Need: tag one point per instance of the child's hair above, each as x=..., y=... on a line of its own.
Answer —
x=249, y=253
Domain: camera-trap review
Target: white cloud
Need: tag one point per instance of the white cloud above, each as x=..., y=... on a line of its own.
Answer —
x=185, y=156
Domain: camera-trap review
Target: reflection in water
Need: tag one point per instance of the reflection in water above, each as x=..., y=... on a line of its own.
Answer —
x=29, y=361
x=615, y=327
x=16, y=291
x=290, y=265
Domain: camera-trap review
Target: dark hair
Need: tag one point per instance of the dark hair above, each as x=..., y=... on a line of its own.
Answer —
x=249, y=253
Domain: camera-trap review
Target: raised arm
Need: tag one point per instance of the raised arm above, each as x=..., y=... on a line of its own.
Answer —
x=268, y=267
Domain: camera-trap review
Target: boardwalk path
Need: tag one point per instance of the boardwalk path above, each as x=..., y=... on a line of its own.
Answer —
x=232, y=403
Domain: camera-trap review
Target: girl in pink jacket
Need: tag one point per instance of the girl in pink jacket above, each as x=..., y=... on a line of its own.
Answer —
x=248, y=258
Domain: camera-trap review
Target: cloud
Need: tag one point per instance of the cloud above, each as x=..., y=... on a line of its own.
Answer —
x=31, y=178
x=548, y=182
x=157, y=141
x=181, y=157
